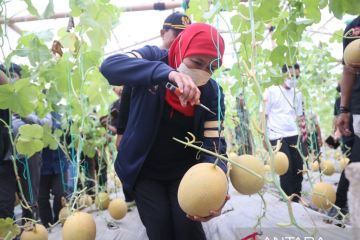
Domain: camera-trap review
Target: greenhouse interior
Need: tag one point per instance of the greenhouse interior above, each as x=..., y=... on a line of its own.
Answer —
x=253, y=102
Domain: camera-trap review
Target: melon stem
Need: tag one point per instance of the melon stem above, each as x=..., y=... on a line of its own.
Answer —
x=218, y=156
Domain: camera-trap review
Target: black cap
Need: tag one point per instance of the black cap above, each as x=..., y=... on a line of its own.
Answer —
x=13, y=68
x=177, y=21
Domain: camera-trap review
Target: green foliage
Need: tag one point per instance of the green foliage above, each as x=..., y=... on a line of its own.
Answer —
x=32, y=46
x=49, y=139
x=340, y=7
x=8, y=229
x=20, y=97
x=337, y=36
x=49, y=10
x=30, y=7
x=29, y=140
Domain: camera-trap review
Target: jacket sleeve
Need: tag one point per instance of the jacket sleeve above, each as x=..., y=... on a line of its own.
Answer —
x=121, y=69
x=213, y=136
x=32, y=118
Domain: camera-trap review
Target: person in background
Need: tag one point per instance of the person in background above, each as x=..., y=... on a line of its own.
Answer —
x=243, y=133
x=7, y=174
x=110, y=121
x=152, y=176
x=52, y=179
x=29, y=167
x=283, y=111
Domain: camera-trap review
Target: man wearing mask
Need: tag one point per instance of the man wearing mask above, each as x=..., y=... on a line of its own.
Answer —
x=283, y=110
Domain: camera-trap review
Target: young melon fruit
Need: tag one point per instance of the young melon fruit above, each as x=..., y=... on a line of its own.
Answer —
x=38, y=232
x=85, y=200
x=243, y=181
x=64, y=214
x=315, y=166
x=267, y=168
x=203, y=188
x=117, y=208
x=328, y=167
x=281, y=163
x=344, y=162
x=337, y=156
x=323, y=195
x=79, y=226
x=352, y=52
x=102, y=200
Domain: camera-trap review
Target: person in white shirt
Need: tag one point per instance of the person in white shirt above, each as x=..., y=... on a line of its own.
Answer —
x=283, y=108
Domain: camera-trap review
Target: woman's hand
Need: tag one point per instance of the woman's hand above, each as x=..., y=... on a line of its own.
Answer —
x=213, y=213
x=189, y=91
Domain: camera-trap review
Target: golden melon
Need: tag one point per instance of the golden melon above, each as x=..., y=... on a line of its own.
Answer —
x=117, y=208
x=102, y=200
x=79, y=226
x=203, y=188
x=64, y=214
x=243, y=181
x=281, y=163
x=344, y=162
x=352, y=52
x=37, y=232
x=323, y=195
x=85, y=200
x=328, y=167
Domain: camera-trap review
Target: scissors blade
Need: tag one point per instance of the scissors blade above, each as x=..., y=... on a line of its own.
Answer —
x=206, y=108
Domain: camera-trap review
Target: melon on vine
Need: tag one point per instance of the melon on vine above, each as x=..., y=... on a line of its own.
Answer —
x=34, y=232
x=79, y=226
x=117, y=208
x=323, y=195
x=202, y=189
x=243, y=181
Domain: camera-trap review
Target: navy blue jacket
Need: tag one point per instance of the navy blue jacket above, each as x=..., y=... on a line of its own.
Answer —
x=147, y=77
x=53, y=161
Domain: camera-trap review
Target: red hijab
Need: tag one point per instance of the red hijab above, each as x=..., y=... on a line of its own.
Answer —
x=196, y=39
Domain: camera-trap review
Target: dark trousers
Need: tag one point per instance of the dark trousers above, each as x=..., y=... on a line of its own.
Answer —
x=291, y=181
x=161, y=214
x=7, y=189
x=54, y=184
x=343, y=186
x=29, y=173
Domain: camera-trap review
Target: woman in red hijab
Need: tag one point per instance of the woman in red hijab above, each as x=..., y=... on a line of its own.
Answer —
x=149, y=163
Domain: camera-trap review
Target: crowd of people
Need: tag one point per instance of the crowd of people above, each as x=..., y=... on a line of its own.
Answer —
x=147, y=115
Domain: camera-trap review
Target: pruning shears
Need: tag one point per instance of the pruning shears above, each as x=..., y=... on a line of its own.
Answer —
x=176, y=90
